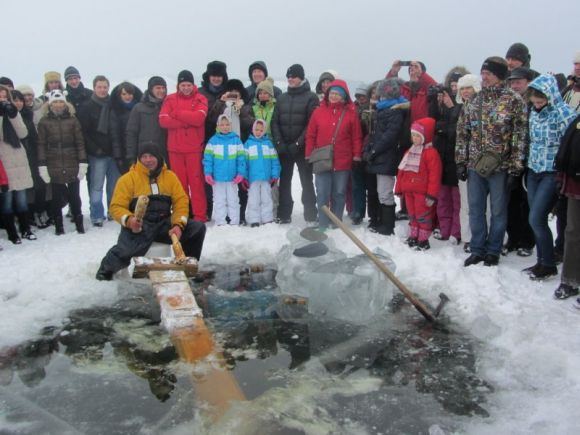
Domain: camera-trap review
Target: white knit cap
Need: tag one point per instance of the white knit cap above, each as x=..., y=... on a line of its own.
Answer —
x=467, y=81
x=577, y=57
x=25, y=90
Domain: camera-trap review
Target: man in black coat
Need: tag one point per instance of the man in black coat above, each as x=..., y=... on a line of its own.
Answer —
x=289, y=123
x=258, y=73
x=77, y=94
x=143, y=125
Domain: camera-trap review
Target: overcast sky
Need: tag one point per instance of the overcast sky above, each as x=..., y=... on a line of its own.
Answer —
x=134, y=39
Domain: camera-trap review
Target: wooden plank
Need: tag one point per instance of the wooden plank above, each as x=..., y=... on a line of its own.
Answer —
x=143, y=265
x=183, y=318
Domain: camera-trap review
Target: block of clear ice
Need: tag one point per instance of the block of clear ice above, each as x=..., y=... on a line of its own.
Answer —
x=351, y=289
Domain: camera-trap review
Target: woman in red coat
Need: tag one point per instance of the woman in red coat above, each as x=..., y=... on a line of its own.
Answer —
x=419, y=180
x=335, y=111
x=183, y=115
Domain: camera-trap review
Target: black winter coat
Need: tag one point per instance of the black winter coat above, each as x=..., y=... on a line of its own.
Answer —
x=143, y=127
x=61, y=147
x=97, y=144
x=212, y=97
x=444, y=139
x=290, y=119
x=30, y=142
x=246, y=118
x=118, y=123
x=78, y=96
x=388, y=140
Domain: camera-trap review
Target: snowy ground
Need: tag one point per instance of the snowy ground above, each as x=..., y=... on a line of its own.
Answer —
x=532, y=348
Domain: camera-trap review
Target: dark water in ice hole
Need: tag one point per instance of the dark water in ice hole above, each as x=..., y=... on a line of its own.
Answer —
x=114, y=370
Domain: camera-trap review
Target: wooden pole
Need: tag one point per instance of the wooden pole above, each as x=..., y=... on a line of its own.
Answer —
x=410, y=296
x=180, y=257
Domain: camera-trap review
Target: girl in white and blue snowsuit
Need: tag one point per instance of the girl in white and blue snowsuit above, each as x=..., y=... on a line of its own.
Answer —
x=224, y=166
x=263, y=172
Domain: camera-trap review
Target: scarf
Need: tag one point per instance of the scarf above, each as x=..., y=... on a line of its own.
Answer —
x=9, y=134
x=412, y=159
x=103, y=103
x=234, y=117
x=387, y=104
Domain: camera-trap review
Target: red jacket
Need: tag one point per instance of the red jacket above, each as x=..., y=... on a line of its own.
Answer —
x=322, y=125
x=427, y=180
x=3, y=175
x=184, y=118
x=418, y=98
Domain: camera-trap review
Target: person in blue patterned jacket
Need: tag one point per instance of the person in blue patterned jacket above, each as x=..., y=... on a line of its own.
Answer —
x=263, y=172
x=224, y=166
x=549, y=118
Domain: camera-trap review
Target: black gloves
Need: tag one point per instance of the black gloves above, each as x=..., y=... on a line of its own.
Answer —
x=462, y=172
x=7, y=108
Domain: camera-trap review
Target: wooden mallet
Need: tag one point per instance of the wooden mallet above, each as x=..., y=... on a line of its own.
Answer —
x=180, y=257
x=141, y=208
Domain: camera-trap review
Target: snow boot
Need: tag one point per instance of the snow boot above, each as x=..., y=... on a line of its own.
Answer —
x=58, y=225
x=472, y=259
x=491, y=260
x=104, y=275
x=531, y=269
x=423, y=245
x=543, y=272
x=41, y=221
x=79, y=224
x=10, y=227
x=387, y=226
x=411, y=241
x=564, y=291
x=24, y=225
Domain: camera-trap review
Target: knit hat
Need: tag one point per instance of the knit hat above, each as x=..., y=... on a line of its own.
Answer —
x=55, y=95
x=497, y=66
x=51, y=76
x=6, y=82
x=266, y=85
x=185, y=76
x=26, y=90
x=467, y=81
x=153, y=149
x=296, y=70
x=520, y=52
x=389, y=89
x=71, y=71
x=339, y=90
x=577, y=57
x=155, y=81
x=425, y=127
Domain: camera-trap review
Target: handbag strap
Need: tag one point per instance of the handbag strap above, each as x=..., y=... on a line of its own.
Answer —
x=337, y=127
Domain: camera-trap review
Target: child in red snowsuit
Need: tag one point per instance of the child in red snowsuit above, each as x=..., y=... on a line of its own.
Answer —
x=419, y=180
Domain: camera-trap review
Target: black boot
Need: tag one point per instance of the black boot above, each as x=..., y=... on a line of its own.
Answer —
x=79, y=224
x=387, y=226
x=10, y=227
x=58, y=225
x=24, y=225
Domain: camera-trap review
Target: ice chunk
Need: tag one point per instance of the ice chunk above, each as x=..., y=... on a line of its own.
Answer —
x=349, y=289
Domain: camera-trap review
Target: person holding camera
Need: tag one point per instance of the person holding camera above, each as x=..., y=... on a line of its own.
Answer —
x=490, y=153
x=15, y=161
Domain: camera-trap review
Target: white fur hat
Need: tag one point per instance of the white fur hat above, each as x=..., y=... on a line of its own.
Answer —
x=577, y=57
x=56, y=95
x=467, y=81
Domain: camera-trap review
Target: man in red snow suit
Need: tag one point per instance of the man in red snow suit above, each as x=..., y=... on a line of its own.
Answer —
x=183, y=115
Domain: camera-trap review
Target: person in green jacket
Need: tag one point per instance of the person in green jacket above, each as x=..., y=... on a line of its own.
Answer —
x=265, y=102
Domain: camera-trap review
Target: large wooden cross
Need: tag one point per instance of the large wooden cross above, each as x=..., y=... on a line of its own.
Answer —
x=183, y=319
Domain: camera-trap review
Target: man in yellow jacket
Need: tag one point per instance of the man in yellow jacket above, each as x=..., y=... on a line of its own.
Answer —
x=167, y=213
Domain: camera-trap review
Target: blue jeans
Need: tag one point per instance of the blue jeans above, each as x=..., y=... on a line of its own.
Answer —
x=101, y=168
x=478, y=188
x=331, y=189
x=541, y=195
x=13, y=201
